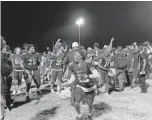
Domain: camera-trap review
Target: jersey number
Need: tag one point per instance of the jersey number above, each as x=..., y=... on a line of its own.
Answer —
x=17, y=61
x=58, y=62
x=32, y=61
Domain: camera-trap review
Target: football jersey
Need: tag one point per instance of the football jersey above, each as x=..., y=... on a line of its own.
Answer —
x=31, y=61
x=17, y=61
x=81, y=72
x=120, y=62
x=96, y=53
x=57, y=62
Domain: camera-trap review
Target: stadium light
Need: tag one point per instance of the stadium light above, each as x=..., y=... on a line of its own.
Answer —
x=80, y=22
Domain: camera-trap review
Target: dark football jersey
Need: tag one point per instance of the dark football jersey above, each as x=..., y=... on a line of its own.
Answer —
x=96, y=53
x=81, y=72
x=17, y=61
x=57, y=62
x=31, y=61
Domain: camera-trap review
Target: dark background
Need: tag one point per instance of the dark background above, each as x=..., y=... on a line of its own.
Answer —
x=41, y=23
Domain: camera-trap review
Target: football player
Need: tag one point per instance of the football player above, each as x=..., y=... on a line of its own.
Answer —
x=17, y=62
x=85, y=83
x=32, y=71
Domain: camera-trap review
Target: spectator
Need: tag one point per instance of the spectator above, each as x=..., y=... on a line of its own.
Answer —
x=6, y=79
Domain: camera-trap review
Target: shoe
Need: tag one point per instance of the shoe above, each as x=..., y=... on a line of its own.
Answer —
x=143, y=92
x=27, y=98
x=90, y=117
x=79, y=118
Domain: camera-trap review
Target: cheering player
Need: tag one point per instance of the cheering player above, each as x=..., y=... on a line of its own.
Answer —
x=32, y=71
x=86, y=75
x=57, y=69
x=17, y=62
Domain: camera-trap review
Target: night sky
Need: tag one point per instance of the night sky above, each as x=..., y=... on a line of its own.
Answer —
x=41, y=23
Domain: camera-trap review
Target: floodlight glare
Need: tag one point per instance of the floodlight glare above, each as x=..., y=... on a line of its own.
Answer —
x=80, y=21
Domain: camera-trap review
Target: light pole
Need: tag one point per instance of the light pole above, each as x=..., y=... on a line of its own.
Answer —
x=79, y=22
